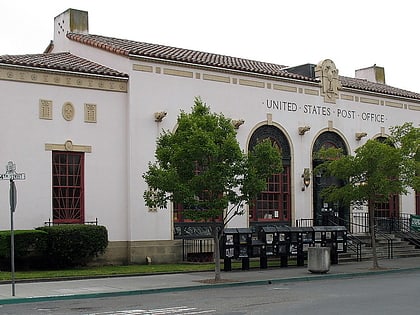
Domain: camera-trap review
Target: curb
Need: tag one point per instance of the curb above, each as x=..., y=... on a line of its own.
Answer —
x=203, y=286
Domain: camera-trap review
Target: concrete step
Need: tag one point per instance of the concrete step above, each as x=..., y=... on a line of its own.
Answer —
x=400, y=248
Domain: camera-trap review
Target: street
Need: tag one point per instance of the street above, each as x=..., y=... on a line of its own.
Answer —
x=378, y=294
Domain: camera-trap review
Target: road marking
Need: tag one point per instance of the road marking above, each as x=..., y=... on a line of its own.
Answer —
x=184, y=310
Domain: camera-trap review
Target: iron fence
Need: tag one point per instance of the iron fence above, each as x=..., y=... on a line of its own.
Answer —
x=198, y=250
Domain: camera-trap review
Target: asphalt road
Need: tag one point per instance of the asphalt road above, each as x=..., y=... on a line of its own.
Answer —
x=379, y=294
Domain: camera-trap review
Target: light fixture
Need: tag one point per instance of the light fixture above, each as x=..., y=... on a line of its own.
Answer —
x=159, y=116
x=237, y=123
x=306, y=178
x=304, y=129
x=360, y=135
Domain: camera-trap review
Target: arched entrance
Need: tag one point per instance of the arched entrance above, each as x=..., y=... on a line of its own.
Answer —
x=273, y=206
x=324, y=212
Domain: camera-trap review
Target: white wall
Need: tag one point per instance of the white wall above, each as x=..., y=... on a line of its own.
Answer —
x=151, y=92
x=24, y=135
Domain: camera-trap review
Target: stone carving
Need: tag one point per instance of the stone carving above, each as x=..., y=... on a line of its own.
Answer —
x=328, y=74
x=68, y=111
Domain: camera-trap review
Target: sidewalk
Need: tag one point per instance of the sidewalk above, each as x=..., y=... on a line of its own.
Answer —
x=26, y=292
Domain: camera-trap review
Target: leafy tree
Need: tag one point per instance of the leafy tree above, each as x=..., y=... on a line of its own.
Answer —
x=202, y=167
x=376, y=171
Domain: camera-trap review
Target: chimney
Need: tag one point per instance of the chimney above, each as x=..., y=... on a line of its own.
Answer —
x=70, y=20
x=373, y=74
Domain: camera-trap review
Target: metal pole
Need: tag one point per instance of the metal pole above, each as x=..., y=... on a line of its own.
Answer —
x=12, y=234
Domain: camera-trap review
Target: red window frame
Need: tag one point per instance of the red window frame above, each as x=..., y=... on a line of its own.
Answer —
x=388, y=209
x=273, y=204
x=68, y=187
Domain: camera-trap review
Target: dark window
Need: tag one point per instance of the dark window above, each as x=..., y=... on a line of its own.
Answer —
x=67, y=189
x=388, y=209
x=418, y=202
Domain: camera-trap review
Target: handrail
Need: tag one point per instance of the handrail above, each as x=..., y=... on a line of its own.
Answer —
x=390, y=242
x=404, y=231
x=355, y=245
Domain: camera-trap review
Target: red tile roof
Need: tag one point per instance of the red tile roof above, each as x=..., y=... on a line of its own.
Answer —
x=365, y=85
x=60, y=61
x=128, y=47
x=132, y=48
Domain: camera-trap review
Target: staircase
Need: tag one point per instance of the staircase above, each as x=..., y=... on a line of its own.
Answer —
x=387, y=246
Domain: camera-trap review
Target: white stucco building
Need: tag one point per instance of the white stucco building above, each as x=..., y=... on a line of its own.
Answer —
x=81, y=120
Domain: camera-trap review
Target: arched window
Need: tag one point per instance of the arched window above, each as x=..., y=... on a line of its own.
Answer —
x=273, y=204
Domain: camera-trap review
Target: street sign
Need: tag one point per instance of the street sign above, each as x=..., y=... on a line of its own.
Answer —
x=11, y=176
x=16, y=176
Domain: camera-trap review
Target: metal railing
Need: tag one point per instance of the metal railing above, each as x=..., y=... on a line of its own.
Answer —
x=198, y=250
x=354, y=243
x=51, y=223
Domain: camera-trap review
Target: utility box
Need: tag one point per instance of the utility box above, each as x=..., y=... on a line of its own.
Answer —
x=268, y=236
x=245, y=246
x=229, y=247
x=283, y=233
x=296, y=245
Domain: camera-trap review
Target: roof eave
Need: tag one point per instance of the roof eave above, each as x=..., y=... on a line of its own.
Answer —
x=222, y=69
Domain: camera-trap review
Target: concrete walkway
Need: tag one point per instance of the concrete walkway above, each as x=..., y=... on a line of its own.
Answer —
x=26, y=292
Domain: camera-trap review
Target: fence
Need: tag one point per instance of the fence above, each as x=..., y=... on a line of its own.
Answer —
x=198, y=250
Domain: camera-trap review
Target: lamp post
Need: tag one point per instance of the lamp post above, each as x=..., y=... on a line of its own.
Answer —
x=11, y=175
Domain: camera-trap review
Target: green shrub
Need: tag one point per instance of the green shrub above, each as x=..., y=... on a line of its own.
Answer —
x=26, y=243
x=74, y=244
x=29, y=249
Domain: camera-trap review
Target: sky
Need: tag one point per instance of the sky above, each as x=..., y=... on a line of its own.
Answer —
x=353, y=34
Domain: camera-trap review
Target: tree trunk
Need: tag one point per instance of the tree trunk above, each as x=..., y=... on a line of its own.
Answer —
x=372, y=235
x=216, y=237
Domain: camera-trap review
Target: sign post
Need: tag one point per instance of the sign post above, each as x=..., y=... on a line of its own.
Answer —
x=11, y=175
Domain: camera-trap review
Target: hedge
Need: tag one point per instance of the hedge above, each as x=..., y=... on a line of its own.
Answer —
x=74, y=244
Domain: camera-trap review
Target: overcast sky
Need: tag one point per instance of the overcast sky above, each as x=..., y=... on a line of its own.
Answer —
x=354, y=34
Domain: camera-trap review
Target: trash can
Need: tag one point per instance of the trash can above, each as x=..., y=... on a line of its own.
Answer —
x=319, y=260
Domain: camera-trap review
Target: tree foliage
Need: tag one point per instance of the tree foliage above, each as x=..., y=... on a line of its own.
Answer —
x=378, y=170
x=202, y=167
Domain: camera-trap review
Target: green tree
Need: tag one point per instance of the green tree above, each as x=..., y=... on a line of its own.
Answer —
x=378, y=170
x=202, y=167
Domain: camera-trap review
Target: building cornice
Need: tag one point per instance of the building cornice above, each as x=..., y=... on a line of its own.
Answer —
x=62, y=78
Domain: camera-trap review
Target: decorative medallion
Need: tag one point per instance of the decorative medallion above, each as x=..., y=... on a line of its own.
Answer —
x=68, y=145
x=68, y=111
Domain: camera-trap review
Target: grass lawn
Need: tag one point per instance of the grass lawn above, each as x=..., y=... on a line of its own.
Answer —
x=104, y=271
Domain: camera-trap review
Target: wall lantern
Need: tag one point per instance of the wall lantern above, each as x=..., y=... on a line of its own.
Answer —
x=159, y=116
x=303, y=129
x=306, y=178
x=360, y=135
